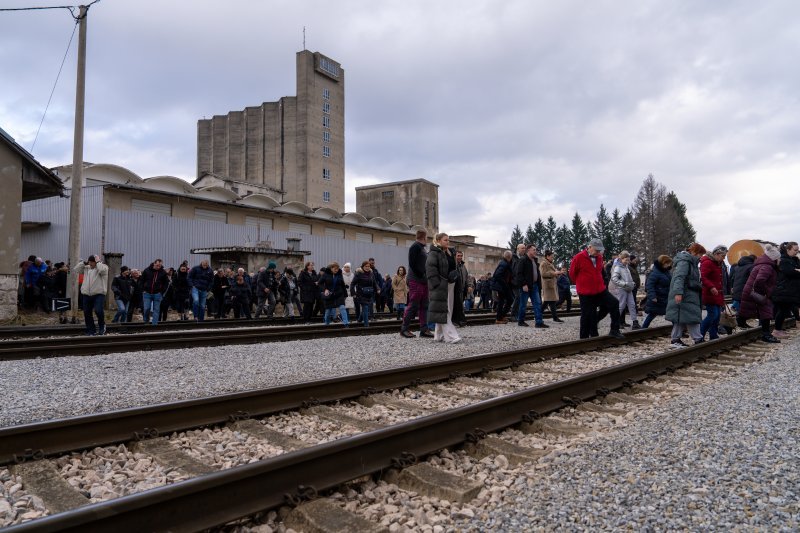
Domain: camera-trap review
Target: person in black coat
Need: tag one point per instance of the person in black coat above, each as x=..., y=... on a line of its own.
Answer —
x=122, y=287
x=787, y=290
x=181, y=287
x=266, y=289
x=332, y=287
x=739, y=274
x=240, y=298
x=657, y=288
x=219, y=287
x=168, y=295
x=364, y=289
x=502, y=288
x=136, y=293
x=60, y=280
x=307, y=283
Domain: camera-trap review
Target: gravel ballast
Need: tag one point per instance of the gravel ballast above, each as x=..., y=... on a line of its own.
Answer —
x=722, y=456
x=43, y=389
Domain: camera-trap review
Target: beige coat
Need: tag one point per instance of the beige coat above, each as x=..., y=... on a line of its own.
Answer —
x=549, y=288
x=400, y=288
x=95, y=280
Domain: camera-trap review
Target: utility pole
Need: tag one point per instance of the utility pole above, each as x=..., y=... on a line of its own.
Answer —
x=77, y=168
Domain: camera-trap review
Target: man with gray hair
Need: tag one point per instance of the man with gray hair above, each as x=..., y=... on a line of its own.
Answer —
x=586, y=270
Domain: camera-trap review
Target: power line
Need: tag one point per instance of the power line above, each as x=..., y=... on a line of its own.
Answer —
x=71, y=9
x=54, y=86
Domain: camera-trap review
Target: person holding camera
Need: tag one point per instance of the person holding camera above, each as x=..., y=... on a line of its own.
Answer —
x=441, y=271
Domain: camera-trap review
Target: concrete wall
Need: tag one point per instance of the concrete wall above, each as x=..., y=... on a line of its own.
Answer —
x=406, y=202
x=11, y=168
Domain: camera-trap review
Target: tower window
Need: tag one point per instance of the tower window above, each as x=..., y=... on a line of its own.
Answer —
x=326, y=94
x=326, y=151
x=387, y=195
x=326, y=136
x=326, y=173
x=326, y=107
x=326, y=196
x=326, y=121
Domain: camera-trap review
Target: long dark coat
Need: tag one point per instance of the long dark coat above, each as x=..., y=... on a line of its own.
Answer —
x=787, y=289
x=436, y=271
x=763, y=279
x=739, y=274
x=686, y=282
x=657, y=287
x=307, y=283
x=334, y=284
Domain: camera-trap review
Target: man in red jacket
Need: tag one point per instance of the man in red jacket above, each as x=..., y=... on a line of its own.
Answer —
x=586, y=270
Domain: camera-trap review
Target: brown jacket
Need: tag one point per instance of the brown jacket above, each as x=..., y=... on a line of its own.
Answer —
x=400, y=288
x=549, y=289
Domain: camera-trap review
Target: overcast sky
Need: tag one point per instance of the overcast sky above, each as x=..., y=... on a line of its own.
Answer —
x=517, y=109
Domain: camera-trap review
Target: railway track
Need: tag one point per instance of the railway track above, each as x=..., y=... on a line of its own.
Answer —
x=32, y=348
x=227, y=495
x=26, y=332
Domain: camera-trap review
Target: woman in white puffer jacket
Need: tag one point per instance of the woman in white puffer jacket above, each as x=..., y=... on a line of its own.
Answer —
x=621, y=286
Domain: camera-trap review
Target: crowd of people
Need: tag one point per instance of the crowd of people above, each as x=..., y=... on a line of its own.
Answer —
x=437, y=289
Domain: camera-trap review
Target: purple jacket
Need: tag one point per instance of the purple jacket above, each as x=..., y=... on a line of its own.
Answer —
x=762, y=280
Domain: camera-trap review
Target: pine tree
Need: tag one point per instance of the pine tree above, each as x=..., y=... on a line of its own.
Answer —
x=563, y=246
x=516, y=238
x=680, y=232
x=530, y=236
x=539, y=232
x=603, y=229
x=579, y=234
x=550, y=234
x=626, y=233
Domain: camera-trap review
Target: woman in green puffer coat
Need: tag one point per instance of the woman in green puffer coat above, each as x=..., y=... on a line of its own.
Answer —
x=683, y=305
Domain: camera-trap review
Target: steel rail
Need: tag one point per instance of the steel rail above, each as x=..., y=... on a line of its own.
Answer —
x=63, y=346
x=221, y=497
x=58, y=436
x=18, y=332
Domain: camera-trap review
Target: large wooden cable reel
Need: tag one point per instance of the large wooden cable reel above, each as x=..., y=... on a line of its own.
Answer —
x=745, y=247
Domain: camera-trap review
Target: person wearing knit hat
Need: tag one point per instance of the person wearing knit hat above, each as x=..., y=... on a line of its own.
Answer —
x=713, y=297
x=756, y=295
x=772, y=252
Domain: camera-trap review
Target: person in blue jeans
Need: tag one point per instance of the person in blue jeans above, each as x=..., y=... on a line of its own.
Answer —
x=122, y=288
x=528, y=278
x=363, y=289
x=201, y=280
x=154, y=283
x=93, y=293
x=331, y=284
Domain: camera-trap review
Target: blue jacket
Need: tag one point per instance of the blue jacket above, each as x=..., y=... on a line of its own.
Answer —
x=502, y=277
x=563, y=283
x=201, y=278
x=657, y=286
x=33, y=273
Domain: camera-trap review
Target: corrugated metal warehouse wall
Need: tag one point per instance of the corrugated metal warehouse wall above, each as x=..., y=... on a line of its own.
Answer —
x=52, y=242
x=143, y=237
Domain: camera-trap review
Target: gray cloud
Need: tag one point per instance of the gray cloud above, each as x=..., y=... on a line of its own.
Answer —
x=517, y=109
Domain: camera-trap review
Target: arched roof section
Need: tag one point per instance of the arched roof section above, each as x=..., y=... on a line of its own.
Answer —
x=112, y=174
x=326, y=213
x=400, y=226
x=355, y=218
x=216, y=192
x=259, y=200
x=169, y=184
x=295, y=208
x=378, y=222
